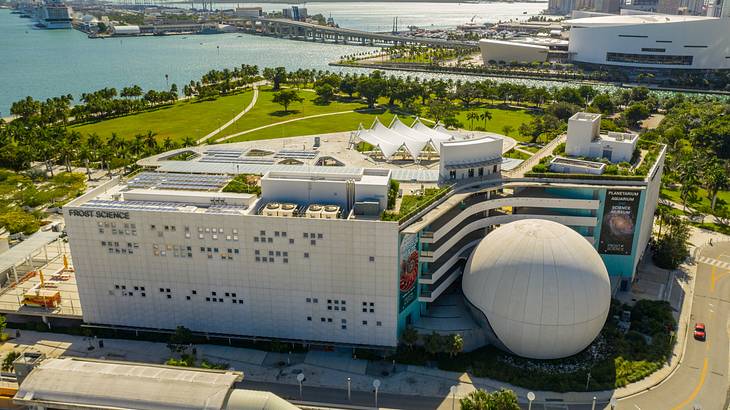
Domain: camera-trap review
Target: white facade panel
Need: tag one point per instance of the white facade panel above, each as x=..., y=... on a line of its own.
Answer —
x=206, y=272
x=509, y=51
x=671, y=42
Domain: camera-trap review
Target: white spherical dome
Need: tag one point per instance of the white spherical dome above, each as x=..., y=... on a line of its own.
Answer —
x=543, y=289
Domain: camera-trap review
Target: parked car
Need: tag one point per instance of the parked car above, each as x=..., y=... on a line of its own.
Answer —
x=700, y=331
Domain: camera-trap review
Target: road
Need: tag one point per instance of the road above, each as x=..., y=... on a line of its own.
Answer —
x=702, y=377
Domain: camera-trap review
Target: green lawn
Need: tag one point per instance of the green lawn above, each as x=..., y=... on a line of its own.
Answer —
x=723, y=198
x=185, y=118
x=267, y=112
x=322, y=125
x=500, y=118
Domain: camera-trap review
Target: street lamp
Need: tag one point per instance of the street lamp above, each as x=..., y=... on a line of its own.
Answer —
x=300, y=379
x=452, y=390
x=593, y=406
x=376, y=385
x=530, y=398
x=349, y=395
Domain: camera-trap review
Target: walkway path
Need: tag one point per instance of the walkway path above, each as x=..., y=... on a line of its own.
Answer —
x=238, y=134
x=236, y=118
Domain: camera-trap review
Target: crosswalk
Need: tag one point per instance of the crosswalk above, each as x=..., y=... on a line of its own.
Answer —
x=714, y=262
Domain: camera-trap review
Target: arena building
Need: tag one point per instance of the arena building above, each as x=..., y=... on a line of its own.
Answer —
x=316, y=256
x=651, y=41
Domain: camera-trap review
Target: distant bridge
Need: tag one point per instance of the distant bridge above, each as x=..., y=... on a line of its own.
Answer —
x=299, y=30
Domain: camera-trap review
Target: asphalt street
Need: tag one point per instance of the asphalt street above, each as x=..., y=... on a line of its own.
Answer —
x=701, y=380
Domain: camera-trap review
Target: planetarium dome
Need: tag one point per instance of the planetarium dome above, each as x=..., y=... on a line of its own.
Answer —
x=538, y=289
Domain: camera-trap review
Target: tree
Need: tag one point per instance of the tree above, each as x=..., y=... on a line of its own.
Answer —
x=455, y=344
x=672, y=249
x=276, y=76
x=507, y=129
x=471, y=116
x=7, y=365
x=441, y=109
x=715, y=179
x=485, y=116
x=410, y=337
x=479, y=399
x=433, y=343
x=371, y=88
x=635, y=113
x=180, y=340
x=325, y=93
x=286, y=97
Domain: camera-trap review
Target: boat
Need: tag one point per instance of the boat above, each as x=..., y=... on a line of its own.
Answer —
x=54, y=14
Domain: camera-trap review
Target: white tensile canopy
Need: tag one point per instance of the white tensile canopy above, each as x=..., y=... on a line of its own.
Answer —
x=414, y=139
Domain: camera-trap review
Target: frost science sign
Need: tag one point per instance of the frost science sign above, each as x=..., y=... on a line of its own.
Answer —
x=619, y=222
x=408, y=270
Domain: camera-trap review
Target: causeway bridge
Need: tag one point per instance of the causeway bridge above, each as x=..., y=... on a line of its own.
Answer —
x=299, y=30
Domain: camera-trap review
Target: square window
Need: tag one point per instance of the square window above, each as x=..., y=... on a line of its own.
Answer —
x=257, y=252
x=315, y=300
x=372, y=310
x=372, y=259
x=167, y=290
x=271, y=253
x=372, y=304
x=136, y=288
x=306, y=254
x=233, y=295
x=240, y=301
x=262, y=233
x=234, y=301
x=215, y=299
x=220, y=300
x=344, y=302
x=329, y=300
x=227, y=294
x=309, y=300
x=187, y=297
x=236, y=251
x=144, y=294
x=276, y=233
x=131, y=293
x=271, y=240
x=364, y=303
x=337, y=308
x=319, y=236
x=364, y=310
x=207, y=299
x=329, y=320
x=313, y=242
x=169, y=296
x=291, y=241
x=306, y=235
x=162, y=289
x=195, y=292
x=285, y=254
x=337, y=302
x=309, y=318
x=116, y=286
x=285, y=260
x=271, y=260
x=213, y=293
x=283, y=234
x=278, y=253
x=344, y=308
x=258, y=259
x=378, y=323
x=364, y=322
x=329, y=307
x=255, y=238
x=344, y=327
x=321, y=319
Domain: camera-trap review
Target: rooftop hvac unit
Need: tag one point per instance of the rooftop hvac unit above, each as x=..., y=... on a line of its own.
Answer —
x=287, y=210
x=314, y=211
x=331, y=212
x=272, y=209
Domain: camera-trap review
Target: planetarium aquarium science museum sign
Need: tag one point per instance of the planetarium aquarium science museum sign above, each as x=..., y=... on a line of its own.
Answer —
x=619, y=221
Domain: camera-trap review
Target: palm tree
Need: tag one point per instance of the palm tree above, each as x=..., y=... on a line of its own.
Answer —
x=716, y=179
x=456, y=344
x=86, y=156
x=485, y=116
x=410, y=337
x=188, y=141
x=471, y=116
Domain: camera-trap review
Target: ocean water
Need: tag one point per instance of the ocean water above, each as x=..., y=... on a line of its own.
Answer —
x=46, y=63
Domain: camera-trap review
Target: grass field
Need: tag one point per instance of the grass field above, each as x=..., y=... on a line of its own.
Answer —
x=322, y=125
x=723, y=198
x=185, y=118
x=267, y=112
x=500, y=118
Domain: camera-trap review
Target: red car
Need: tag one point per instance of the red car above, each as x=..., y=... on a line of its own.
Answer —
x=700, y=331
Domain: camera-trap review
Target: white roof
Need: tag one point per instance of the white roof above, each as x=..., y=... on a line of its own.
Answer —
x=399, y=135
x=633, y=19
x=126, y=386
x=543, y=288
x=18, y=253
x=523, y=43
